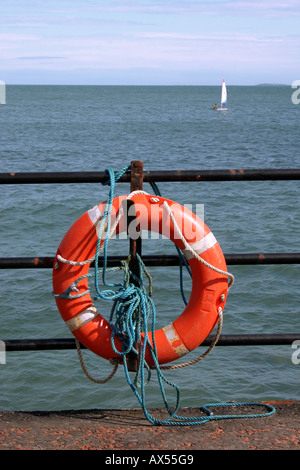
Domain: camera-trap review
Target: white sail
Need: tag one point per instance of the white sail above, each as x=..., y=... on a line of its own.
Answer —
x=223, y=95
x=223, y=106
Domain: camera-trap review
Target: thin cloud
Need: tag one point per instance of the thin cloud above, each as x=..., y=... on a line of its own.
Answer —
x=46, y=57
x=17, y=37
x=213, y=36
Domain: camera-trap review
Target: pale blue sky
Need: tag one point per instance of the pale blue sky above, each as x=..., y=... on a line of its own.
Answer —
x=186, y=42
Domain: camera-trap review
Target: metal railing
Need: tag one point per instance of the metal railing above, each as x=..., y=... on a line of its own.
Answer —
x=136, y=176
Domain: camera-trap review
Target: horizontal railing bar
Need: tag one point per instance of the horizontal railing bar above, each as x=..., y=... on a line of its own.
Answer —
x=224, y=340
x=158, y=260
x=223, y=175
x=152, y=176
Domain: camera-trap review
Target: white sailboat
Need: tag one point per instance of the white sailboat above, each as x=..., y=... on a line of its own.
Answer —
x=223, y=98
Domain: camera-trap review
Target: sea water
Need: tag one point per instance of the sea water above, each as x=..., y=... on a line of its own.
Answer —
x=91, y=128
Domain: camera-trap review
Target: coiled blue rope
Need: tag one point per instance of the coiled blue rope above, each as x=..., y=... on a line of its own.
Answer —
x=132, y=316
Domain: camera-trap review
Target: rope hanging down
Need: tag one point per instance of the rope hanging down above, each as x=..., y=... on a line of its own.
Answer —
x=133, y=314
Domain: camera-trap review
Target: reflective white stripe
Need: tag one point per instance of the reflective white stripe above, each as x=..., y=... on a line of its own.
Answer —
x=201, y=246
x=82, y=318
x=172, y=336
x=95, y=215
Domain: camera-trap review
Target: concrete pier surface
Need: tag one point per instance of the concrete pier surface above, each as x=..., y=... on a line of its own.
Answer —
x=129, y=430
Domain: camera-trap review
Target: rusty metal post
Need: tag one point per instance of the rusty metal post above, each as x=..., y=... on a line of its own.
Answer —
x=135, y=185
x=135, y=244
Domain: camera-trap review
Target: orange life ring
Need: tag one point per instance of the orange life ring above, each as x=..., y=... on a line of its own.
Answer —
x=208, y=293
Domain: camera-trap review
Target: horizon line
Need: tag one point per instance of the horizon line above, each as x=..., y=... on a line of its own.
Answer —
x=140, y=84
